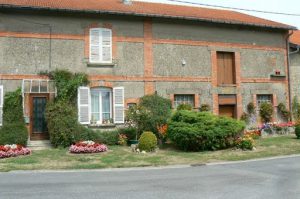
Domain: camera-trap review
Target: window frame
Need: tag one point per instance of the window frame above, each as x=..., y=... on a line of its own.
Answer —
x=100, y=44
x=259, y=102
x=234, y=78
x=184, y=95
x=100, y=90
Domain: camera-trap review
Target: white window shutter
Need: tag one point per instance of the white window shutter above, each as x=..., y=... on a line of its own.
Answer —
x=1, y=105
x=106, y=46
x=95, y=45
x=119, y=115
x=84, y=105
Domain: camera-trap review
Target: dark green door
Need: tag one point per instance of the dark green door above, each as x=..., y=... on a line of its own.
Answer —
x=39, y=126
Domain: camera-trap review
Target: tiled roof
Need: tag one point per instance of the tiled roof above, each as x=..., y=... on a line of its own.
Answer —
x=295, y=38
x=146, y=9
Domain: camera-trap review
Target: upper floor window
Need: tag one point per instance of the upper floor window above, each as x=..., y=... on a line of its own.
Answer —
x=184, y=99
x=225, y=68
x=100, y=45
x=264, y=98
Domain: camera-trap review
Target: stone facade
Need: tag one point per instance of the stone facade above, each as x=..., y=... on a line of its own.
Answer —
x=148, y=55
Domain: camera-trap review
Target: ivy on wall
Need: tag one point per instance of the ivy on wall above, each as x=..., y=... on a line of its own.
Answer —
x=67, y=84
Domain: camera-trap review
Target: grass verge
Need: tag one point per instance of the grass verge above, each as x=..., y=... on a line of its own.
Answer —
x=118, y=157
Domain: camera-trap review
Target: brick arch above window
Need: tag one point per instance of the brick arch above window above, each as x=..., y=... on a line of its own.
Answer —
x=100, y=83
x=87, y=38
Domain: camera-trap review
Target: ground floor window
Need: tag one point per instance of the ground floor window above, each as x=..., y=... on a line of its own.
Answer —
x=184, y=99
x=263, y=98
x=101, y=105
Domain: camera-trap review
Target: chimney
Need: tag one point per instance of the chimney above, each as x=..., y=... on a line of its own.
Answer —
x=127, y=2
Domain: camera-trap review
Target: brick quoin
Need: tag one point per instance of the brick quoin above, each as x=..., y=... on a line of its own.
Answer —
x=148, y=56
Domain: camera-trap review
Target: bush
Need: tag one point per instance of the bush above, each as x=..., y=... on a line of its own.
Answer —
x=147, y=141
x=204, y=108
x=14, y=129
x=13, y=108
x=106, y=137
x=266, y=112
x=184, y=107
x=14, y=133
x=62, y=123
x=283, y=111
x=297, y=131
x=245, y=117
x=251, y=108
x=159, y=111
x=130, y=132
x=246, y=143
x=198, y=131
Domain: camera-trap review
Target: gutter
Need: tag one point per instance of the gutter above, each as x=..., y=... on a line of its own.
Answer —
x=8, y=6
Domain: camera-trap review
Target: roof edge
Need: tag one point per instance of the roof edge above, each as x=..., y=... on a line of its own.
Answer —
x=288, y=27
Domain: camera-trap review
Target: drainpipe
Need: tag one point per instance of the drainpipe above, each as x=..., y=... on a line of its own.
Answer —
x=288, y=69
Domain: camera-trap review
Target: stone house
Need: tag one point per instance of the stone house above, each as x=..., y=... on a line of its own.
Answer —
x=130, y=49
x=294, y=58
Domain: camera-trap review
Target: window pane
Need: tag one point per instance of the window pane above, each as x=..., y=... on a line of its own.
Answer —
x=264, y=98
x=35, y=86
x=184, y=99
x=106, y=104
x=43, y=87
x=95, y=106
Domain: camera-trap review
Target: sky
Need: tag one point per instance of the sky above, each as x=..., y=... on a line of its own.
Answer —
x=285, y=6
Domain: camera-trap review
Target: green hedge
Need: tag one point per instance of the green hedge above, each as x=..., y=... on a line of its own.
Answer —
x=14, y=133
x=62, y=123
x=14, y=129
x=198, y=131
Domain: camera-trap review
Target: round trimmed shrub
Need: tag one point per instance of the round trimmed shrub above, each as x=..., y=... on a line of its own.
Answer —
x=147, y=141
x=297, y=131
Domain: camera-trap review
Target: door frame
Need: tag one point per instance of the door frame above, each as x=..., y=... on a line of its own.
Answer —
x=41, y=136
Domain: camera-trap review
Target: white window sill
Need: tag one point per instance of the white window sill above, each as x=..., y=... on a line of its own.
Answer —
x=101, y=125
x=89, y=64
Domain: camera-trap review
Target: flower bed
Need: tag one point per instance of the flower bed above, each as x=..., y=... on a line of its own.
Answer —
x=278, y=128
x=13, y=150
x=87, y=147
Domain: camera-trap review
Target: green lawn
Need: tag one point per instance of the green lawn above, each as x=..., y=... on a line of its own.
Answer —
x=118, y=156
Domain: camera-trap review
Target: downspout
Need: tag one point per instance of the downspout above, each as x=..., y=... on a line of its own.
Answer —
x=288, y=69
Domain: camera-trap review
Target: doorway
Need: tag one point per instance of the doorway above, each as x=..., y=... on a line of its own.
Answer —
x=227, y=106
x=38, y=125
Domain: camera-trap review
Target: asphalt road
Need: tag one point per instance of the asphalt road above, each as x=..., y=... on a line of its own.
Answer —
x=274, y=179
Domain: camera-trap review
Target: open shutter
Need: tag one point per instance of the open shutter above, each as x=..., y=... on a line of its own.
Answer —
x=118, y=93
x=1, y=105
x=106, y=45
x=95, y=46
x=84, y=105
